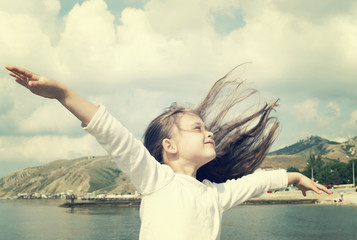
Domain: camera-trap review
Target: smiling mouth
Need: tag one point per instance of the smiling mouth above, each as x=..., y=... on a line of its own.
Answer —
x=210, y=142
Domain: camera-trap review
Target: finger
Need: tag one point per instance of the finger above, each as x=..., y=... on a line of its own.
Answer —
x=304, y=193
x=17, y=75
x=16, y=69
x=23, y=79
x=21, y=71
x=19, y=79
x=317, y=188
x=21, y=83
x=323, y=188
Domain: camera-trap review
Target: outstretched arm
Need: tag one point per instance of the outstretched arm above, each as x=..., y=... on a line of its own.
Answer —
x=49, y=88
x=305, y=184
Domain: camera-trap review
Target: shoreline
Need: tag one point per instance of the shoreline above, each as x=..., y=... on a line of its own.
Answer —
x=279, y=197
x=349, y=197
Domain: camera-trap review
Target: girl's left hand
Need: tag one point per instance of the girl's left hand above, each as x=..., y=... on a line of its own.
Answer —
x=305, y=184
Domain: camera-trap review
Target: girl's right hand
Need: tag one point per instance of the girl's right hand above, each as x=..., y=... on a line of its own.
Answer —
x=39, y=85
x=48, y=88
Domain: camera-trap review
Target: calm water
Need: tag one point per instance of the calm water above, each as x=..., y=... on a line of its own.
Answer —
x=42, y=219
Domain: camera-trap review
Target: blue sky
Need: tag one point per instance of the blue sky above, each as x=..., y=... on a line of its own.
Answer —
x=137, y=57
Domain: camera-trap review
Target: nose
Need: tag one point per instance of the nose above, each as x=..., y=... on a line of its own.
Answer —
x=209, y=134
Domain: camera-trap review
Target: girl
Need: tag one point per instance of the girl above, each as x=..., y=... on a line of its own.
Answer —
x=180, y=149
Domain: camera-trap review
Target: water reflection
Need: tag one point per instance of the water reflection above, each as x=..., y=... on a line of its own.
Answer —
x=104, y=210
x=43, y=219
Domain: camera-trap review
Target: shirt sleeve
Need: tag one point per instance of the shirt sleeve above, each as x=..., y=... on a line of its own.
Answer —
x=131, y=156
x=237, y=191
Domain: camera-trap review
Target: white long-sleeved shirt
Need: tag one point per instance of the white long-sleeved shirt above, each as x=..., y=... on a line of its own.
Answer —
x=175, y=206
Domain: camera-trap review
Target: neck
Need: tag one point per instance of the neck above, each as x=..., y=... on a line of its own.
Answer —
x=183, y=167
x=188, y=172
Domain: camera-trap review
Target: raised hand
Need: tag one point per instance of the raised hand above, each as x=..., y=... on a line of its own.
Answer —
x=49, y=88
x=39, y=85
x=305, y=184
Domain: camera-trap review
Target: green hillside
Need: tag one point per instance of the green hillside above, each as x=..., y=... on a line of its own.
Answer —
x=296, y=155
x=307, y=145
x=83, y=175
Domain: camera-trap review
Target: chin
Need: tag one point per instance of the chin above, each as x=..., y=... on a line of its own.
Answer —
x=212, y=158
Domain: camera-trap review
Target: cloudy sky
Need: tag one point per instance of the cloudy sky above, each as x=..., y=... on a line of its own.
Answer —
x=138, y=56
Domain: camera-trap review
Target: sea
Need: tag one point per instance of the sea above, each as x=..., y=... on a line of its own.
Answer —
x=44, y=219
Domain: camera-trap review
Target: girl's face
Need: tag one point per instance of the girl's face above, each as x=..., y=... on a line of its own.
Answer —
x=194, y=142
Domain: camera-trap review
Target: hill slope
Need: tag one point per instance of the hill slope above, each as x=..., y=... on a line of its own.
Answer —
x=296, y=155
x=83, y=175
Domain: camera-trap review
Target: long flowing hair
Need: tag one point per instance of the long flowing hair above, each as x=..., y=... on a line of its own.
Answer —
x=243, y=137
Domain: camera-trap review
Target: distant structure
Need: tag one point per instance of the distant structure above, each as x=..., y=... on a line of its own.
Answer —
x=266, y=168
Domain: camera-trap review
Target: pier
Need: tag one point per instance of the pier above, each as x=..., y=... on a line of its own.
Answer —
x=119, y=202
x=280, y=201
x=135, y=202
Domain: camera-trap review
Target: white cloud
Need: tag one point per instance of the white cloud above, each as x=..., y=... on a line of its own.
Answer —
x=47, y=148
x=170, y=50
x=50, y=117
x=297, y=53
x=318, y=10
x=333, y=109
x=24, y=41
x=353, y=119
x=86, y=43
x=309, y=112
x=306, y=111
x=349, y=126
x=6, y=103
x=40, y=13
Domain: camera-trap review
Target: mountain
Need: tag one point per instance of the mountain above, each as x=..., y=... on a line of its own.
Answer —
x=101, y=175
x=296, y=155
x=305, y=146
x=82, y=175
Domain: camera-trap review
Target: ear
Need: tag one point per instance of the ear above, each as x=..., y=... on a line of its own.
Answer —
x=169, y=146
